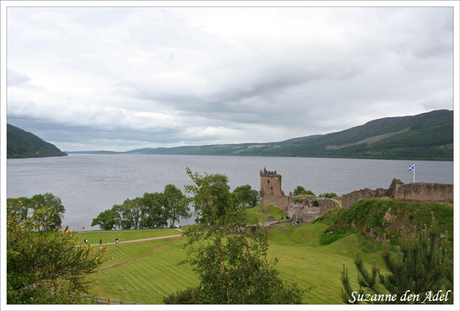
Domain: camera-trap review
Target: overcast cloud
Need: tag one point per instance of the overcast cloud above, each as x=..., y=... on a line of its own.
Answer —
x=132, y=77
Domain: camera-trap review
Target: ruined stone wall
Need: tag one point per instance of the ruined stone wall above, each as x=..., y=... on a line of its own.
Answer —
x=424, y=192
x=352, y=197
x=281, y=202
x=309, y=210
x=413, y=192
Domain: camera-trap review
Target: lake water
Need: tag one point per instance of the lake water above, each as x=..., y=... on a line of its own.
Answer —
x=89, y=184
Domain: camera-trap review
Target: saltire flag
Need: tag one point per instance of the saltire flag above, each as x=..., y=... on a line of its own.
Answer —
x=411, y=168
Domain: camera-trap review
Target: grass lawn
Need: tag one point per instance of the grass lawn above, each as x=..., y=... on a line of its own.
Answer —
x=145, y=272
x=109, y=236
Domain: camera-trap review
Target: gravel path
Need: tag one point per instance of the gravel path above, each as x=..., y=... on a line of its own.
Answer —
x=139, y=240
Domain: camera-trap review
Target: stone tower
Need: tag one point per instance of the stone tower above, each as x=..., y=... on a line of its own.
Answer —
x=270, y=190
x=270, y=182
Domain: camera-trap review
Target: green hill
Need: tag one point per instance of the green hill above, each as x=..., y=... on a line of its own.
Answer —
x=372, y=219
x=148, y=270
x=427, y=136
x=22, y=144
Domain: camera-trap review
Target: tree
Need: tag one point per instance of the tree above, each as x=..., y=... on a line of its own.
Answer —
x=230, y=259
x=131, y=212
x=153, y=210
x=106, y=220
x=246, y=197
x=175, y=204
x=52, y=220
x=421, y=271
x=154, y=215
x=45, y=266
x=300, y=190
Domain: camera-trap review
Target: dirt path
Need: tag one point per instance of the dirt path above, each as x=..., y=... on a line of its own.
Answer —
x=140, y=240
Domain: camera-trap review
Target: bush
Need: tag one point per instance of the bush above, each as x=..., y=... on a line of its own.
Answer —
x=187, y=296
x=329, y=195
x=300, y=190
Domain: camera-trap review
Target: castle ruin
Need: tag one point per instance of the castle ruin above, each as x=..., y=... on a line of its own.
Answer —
x=312, y=207
x=413, y=192
x=270, y=190
x=305, y=211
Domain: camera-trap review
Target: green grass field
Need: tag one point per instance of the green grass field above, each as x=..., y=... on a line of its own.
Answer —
x=109, y=236
x=145, y=272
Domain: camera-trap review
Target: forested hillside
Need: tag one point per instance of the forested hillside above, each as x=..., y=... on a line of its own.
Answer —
x=22, y=144
x=427, y=136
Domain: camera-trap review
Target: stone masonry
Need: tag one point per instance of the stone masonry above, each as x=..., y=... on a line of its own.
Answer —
x=413, y=192
x=270, y=190
x=308, y=210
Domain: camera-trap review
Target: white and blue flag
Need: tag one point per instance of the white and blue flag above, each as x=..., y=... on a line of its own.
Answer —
x=411, y=168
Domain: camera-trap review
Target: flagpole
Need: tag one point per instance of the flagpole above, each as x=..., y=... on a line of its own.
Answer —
x=412, y=168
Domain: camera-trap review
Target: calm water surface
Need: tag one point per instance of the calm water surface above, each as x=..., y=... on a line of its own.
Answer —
x=90, y=184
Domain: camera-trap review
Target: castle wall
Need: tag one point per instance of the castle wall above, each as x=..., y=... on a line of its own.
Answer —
x=352, y=197
x=278, y=201
x=425, y=192
x=413, y=192
x=309, y=210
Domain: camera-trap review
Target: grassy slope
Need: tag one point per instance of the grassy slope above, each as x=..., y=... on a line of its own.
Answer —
x=145, y=272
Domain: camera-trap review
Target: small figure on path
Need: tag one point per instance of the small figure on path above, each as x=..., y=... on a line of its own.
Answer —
x=100, y=241
x=116, y=240
x=86, y=241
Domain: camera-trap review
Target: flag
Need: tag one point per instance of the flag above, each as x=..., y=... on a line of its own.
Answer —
x=411, y=168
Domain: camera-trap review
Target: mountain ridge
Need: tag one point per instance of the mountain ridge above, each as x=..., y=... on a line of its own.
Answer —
x=22, y=144
x=426, y=136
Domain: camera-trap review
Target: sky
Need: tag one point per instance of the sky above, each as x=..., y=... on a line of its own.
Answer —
x=122, y=78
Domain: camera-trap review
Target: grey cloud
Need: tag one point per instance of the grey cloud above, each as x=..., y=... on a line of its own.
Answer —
x=16, y=78
x=176, y=76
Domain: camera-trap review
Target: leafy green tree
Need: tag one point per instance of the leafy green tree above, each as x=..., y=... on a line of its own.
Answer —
x=421, y=271
x=19, y=206
x=154, y=215
x=301, y=189
x=130, y=213
x=219, y=196
x=45, y=267
x=52, y=219
x=106, y=220
x=153, y=210
x=246, y=197
x=176, y=204
x=230, y=259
